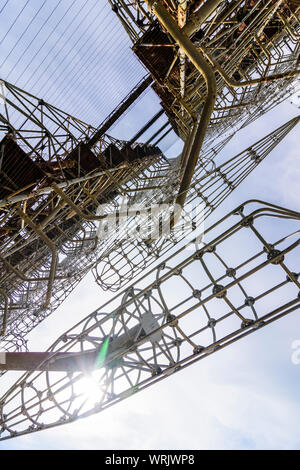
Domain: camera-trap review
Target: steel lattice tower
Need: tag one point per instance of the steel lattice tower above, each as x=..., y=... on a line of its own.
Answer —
x=216, y=66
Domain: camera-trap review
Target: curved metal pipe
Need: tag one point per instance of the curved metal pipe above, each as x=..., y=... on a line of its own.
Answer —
x=201, y=64
x=187, y=147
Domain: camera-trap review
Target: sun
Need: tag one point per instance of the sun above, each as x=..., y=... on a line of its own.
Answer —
x=89, y=387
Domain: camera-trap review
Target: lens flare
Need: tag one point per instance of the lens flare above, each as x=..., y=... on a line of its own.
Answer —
x=90, y=390
x=102, y=354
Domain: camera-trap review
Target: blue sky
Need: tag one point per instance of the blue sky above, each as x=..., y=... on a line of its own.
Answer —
x=247, y=395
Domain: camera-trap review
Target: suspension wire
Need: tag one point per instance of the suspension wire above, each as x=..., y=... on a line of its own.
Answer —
x=4, y=6
x=14, y=22
x=22, y=35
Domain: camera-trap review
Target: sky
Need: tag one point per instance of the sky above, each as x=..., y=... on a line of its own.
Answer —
x=245, y=397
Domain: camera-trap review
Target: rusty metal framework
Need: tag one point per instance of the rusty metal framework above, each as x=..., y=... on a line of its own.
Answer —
x=49, y=172
x=251, y=46
x=50, y=227
x=149, y=333
x=216, y=66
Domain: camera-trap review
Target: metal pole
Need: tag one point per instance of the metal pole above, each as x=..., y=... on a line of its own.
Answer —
x=196, y=20
x=200, y=63
x=119, y=110
x=146, y=127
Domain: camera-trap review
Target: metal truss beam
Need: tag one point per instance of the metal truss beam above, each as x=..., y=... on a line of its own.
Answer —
x=222, y=295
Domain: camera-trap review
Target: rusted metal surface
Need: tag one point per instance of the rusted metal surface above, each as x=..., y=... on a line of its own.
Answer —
x=241, y=36
x=216, y=67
